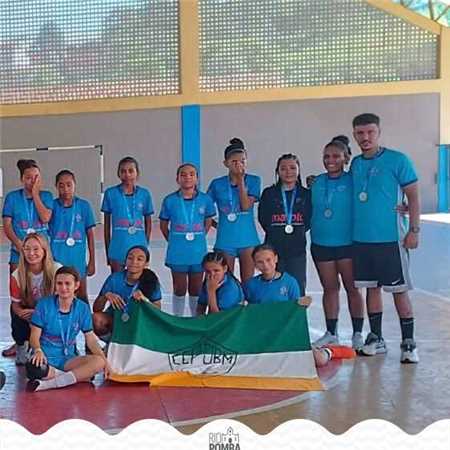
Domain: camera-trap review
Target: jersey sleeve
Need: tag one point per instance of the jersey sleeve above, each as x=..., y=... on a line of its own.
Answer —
x=85, y=318
x=108, y=286
x=212, y=191
x=14, y=289
x=38, y=319
x=264, y=210
x=8, y=205
x=156, y=294
x=406, y=172
x=247, y=290
x=165, y=210
x=89, y=220
x=254, y=187
x=47, y=199
x=294, y=290
x=106, y=204
x=210, y=210
x=148, y=204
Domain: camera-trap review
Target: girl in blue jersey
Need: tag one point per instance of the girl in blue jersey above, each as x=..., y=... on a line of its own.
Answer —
x=71, y=227
x=235, y=195
x=271, y=285
x=331, y=240
x=25, y=211
x=134, y=283
x=128, y=209
x=55, y=324
x=220, y=290
x=189, y=213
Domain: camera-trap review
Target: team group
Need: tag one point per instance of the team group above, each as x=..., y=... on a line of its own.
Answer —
x=359, y=234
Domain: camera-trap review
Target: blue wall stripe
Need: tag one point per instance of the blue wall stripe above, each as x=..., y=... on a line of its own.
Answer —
x=442, y=178
x=190, y=135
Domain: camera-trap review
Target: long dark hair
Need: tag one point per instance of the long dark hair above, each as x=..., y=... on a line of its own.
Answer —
x=148, y=282
x=278, y=182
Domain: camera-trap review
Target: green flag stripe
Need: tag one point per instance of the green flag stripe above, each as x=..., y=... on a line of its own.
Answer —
x=268, y=328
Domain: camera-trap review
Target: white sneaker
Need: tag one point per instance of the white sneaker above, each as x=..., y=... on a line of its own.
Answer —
x=22, y=354
x=357, y=341
x=326, y=339
x=373, y=345
x=409, y=354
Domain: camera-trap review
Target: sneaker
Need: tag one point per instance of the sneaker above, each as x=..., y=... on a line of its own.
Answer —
x=32, y=385
x=357, y=341
x=10, y=351
x=373, y=345
x=409, y=354
x=326, y=339
x=21, y=354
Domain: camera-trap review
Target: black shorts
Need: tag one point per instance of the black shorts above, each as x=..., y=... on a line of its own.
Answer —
x=321, y=253
x=383, y=264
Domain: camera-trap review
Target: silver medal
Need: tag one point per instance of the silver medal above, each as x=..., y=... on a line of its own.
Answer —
x=328, y=213
x=125, y=317
x=232, y=217
x=363, y=197
x=31, y=230
x=70, y=241
x=131, y=230
x=189, y=236
x=289, y=229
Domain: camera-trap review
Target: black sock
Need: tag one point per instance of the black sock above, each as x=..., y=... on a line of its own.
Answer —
x=407, y=327
x=331, y=326
x=357, y=324
x=375, y=323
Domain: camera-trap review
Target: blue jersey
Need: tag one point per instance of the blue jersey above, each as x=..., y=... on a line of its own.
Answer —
x=126, y=211
x=381, y=179
x=187, y=221
x=71, y=222
x=332, y=216
x=22, y=211
x=282, y=289
x=229, y=294
x=60, y=330
x=241, y=232
x=117, y=284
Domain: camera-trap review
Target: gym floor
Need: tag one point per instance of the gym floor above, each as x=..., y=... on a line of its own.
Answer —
x=410, y=396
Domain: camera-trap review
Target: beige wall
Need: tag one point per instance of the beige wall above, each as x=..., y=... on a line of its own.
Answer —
x=152, y=136
x=409, y=123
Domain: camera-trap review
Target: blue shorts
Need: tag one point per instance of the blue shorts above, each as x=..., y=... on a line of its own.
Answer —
x=232, y=251
x=185, y=268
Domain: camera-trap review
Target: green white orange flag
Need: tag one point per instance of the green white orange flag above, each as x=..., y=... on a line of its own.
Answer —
x=255, y=347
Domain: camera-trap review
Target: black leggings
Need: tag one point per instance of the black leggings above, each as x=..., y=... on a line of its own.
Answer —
x=20, y=329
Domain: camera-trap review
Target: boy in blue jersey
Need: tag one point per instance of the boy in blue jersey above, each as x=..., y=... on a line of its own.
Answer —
x=381, y=178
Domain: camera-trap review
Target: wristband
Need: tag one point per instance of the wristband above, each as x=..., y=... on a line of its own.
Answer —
x=414, y=229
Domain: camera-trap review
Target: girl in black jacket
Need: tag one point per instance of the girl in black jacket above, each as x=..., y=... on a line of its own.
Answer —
x=284, y=213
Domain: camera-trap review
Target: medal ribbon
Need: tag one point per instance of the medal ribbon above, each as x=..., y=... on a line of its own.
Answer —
x=328, y=194
x=130, y=297
x=131, y=217
x=29, y=210
x=64, y=339
x=188, y=221
x=371, y=170
x=72, y=222
x=288, y=212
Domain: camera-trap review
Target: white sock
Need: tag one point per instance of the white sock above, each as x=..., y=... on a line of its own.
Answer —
x=178, y=304
x=65, y=379
x=193, y=300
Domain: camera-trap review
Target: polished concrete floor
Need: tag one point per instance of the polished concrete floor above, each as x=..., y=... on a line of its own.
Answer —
x=411, y=396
